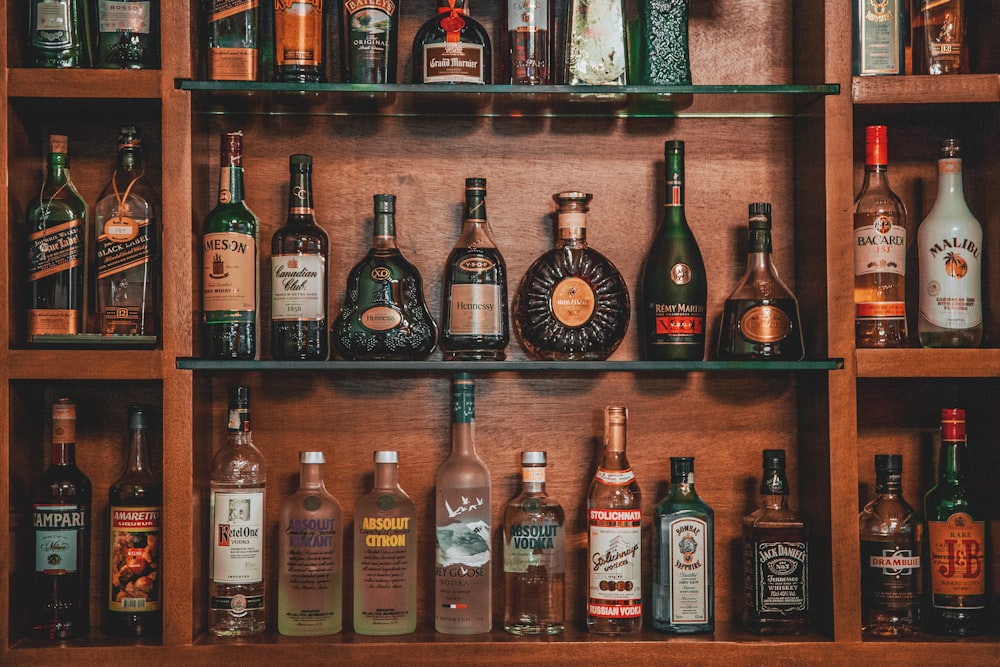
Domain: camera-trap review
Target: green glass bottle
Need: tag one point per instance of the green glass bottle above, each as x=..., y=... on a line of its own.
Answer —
x=674, y=285
x=128, y=34
x=58, y=34
x=233, y=32
x=369, y=40
x=664, y=43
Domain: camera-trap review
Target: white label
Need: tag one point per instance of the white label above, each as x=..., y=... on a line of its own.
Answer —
x=475, y=310
x=238, y=537
x=527, y=15
x=688, y=580
x=56, y=529
x=123, y=16
x=229, y=272
x=614, y=566
x=52, y=16
x=950, y=276
x=297, y=287
x=879, y=247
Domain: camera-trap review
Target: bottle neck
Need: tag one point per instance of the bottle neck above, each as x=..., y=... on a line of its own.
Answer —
x=673, y=200
x=774, y=489
x=614, y=447
x=231, y=184
x=385, y=231
x=572, y=229
x=58, y=169
x=682, y=485
x=463, y=438
x=950, y=188
x=138, y=451
x=129, y=159
x=300, y=199
x=533, y=479
x=239, y=426
x=386, y=476
x=310, y=476
x=950, y=465
x=63, y=454
x=888, y=484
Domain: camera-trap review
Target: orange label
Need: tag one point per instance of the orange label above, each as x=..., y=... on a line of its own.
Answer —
x=52, y=321
x=573, y=302
x=298, y=32
x=881, y=309
x=232, y=64
x=957, y=565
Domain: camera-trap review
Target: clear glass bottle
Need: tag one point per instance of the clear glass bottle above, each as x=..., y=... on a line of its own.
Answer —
x=596, y=46
x=233, y=39
x=58, y=34
x=880, y=37
x=527, y=28
x=949, y=251
x=128, y=34
x=938, y=37
x=300, y=28
x=369, y=40
x=534, y=556
x=452, y=47
x=663, y=44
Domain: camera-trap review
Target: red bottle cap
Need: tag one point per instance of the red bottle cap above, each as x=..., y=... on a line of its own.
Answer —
x=952, y=424
x=876, y=148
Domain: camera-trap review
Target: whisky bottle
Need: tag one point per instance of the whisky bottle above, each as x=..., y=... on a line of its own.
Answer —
x=236, y=524
x=135, y=564
x=956, y=521
x=299, y=256
x=674, y=284
x=572, y=303
x=949, y=251
x=384, y=314
x=463, y=594
x=596, y=47
x=452, y=47
x=760, y=319
x=534, y=555
x=775, y=539
x=879, y=252
x=938, y=37
x=233, y=36
x=369, y=38
x=300, y=40
x=528, y=27
x=614, y=536
x=61, y=516
x=310, y=556
x=891, y=549
x=474, y=322
x=128, y=34
x=127, y=246
x=55, y=225
x=880, y=34
x=683, y=556
x=229, y=264
x=385, y=555
x=59, y=34
x=663, y=43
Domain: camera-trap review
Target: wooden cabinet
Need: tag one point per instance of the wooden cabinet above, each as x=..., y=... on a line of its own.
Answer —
x=760, y=126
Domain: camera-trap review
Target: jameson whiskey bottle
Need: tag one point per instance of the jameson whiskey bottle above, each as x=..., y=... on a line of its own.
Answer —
x=127, y=247
x=232, y=40
x=385, y=555
x=452, y=47
x=229, y=264
x=664, y=43
x=300, y=40
x=58, y=34
x=55, y=227
x=683, y=556
x=236, y=541
x=775, y=540
x=891, y=549
x=475, y=323
x=369, y=37
x=463, y=594
x=527, y=41
x=534, y=555
x=938, y=37
x=956, y=536
x=674, y=285
x=128, y=34
x=614, y=536
x=299, y=255
x=310, y=556
x=384, y=314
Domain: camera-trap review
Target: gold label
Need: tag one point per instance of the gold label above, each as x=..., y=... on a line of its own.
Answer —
x=573, y=302
x=121, y=229
x=765, y=324
x=680, y=273
x=381, y=318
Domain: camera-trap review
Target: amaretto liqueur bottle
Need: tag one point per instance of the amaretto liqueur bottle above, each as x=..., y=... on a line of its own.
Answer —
x=760, y=319
x=614, y=536
x=236, y=524
x=683, y=556
x=385, y=555
x=663, y=44
x=127, y=246
x=534, y=555
x=891, y=549
x=300, y=40
x=880, y=33
x=299, y=256
x=55, y=226
x=452, y=47
x=879, y=252
x=128, y=34
x=674, y=285
x=596, y=47
x=463, y=593
x=232, y=40
x=938, y=37
x=950, y=248
x=369, y=38
x=528, y=27
x=474, y=322
x=59, y=34
x=310, y=556
x=384, y=314
x=572, y=302
x=230, y=277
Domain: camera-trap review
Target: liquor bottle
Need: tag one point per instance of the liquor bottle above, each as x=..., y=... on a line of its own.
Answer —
x=775, y=539
x=891, y=543
x=674, y=284
x=596, y=47
x=614, y=536
x=880, y=34
x=58, y=34
x=55, y=226
x=527, y=41
x=956, y=536
x=310, y=556
x=683, y=556
x=369, y=40
x=135, y=565
x=236, y=519
x=879, y=252
x=663, y=45
x=938, y=37
x=229, y=264
x=300, y=40
x=384, y=314
x=572, y=303
x=949, y=248
x=534, y=555
x=463, y=594
x=474, y=322
x=760, y=319
x=128, y=34
x=233, y=35
x=452, y=47
x=385, y=555
x=127, y=246
x=60, y=598
x=299, y=256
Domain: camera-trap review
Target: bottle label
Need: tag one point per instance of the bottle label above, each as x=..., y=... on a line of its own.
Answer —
x=527, y=15
x=123, y=246
x=890, y=574
x=950, y=273
x=53, y=25
x=678, y=323
x=368, y=30
x=224, y=9
x=765, y=324
x=957, y=565
x=56, y=529
x=56, y=248
x=462, y=557
x=573, y=302
x=298, y=285
x=614, y=477
x=232, y=64
x=879, y=246
x=298, y=29
x=780, y=576
x=684, y=559
x=312, y=567
x=879, y=34
x=615, y=563
x=476, y=309
x=123, y=16
x=383, y=545
x=229, y=286
x=237, y=538
x=381, y=318
x=135, y=573
x=534, y=545
x=453, y=62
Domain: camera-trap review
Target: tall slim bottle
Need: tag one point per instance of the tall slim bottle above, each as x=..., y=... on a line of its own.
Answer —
x=463, y=593
x=950, y=248
x=596, y=47
x=527, y=29
x=236, y=521
x=385, y=555
x=663, y=44
x=300, y=28
x=614, y=536
x=880, y=35
x=233, y=39
x=310, y=556
x=674, y=284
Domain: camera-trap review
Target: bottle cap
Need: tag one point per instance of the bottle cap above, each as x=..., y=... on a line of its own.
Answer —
x=876, y=151
x=774, y=459
x=311, y=457
x=950, y=149
x=58, y=143
x=299, y=163
x=673, y=145
x=532, y=458
x=615, y=414
x=239, y=397
x=581, y=199
x=952, y=424
x=888, y=463
x=232, y=149
x=681, y=466
x=386, y=457
x=475, y=183
x=385, y=203
x=129, y=137
x=136, y=417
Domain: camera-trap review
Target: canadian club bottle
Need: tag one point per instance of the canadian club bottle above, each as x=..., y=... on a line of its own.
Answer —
x=300, y=28
x=614, y=536
x=452, y=47
x=61, y=513
x=369, y=40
